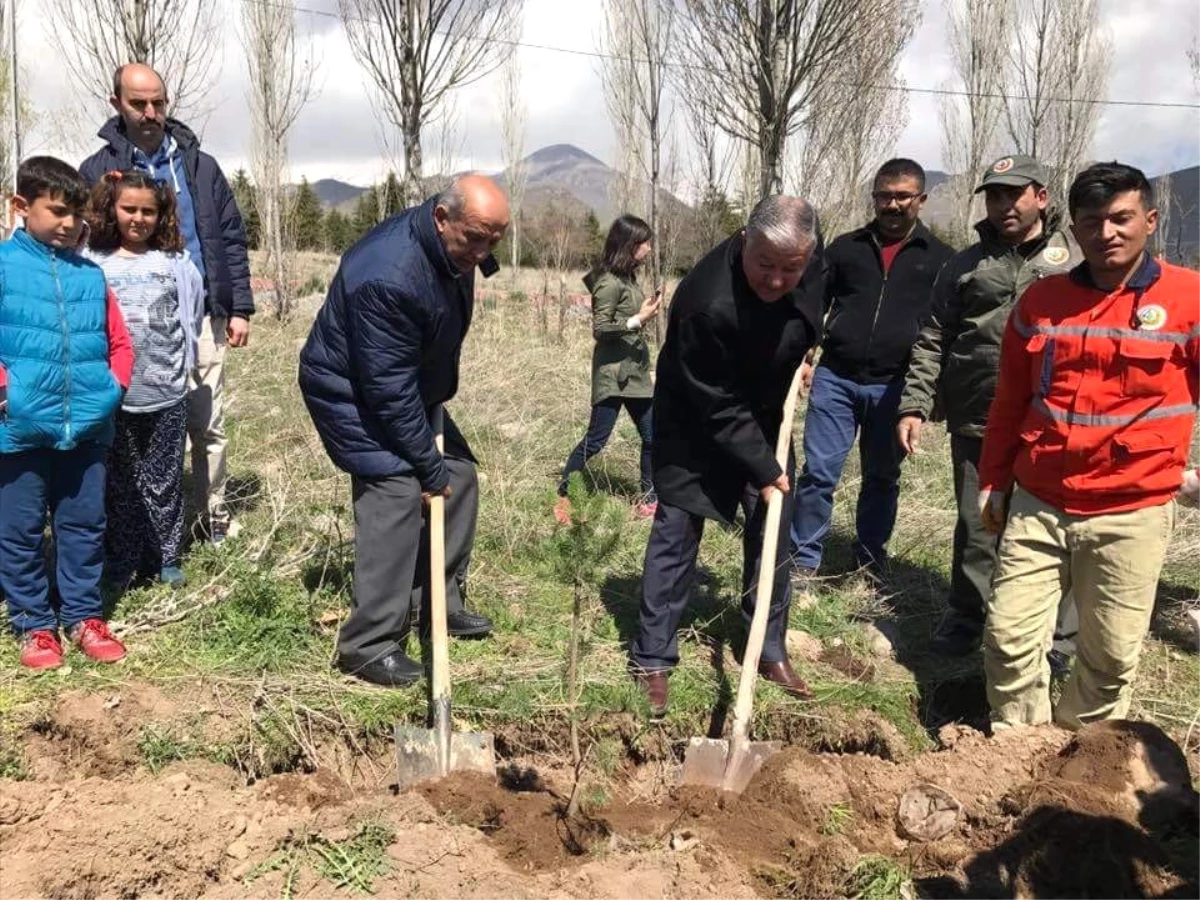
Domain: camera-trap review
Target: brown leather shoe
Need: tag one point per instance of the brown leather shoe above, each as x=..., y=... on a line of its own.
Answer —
x=782, y=674
x=654, y=683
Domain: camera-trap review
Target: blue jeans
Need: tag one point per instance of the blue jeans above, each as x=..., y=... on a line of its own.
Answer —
x=70, y=484
x=600, y=426
x=837, y=409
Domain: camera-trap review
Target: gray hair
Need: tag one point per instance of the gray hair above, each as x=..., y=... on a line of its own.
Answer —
x=783, y=221
x=453, y=198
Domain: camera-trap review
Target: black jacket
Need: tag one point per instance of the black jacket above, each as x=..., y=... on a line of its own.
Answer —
x=219, y=223
x=874, y=318
x=723, y=375
x=384, y=350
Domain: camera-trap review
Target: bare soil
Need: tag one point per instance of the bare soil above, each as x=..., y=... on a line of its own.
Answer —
x=1107, y=812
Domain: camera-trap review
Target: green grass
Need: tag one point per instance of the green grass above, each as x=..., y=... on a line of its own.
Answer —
x=837, y=819
x=353, y=863
x=878, y=878
x=256, y=624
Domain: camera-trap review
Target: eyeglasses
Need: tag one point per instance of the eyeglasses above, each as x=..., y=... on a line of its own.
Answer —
x=883, y=198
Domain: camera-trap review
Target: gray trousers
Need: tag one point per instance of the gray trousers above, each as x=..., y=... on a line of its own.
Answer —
x=391, y=558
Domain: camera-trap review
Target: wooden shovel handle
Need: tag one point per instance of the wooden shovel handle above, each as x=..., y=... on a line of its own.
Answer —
x=440, y=682
x=766, y=575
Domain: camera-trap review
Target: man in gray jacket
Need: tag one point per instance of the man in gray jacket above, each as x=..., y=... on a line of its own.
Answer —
x=957, y=358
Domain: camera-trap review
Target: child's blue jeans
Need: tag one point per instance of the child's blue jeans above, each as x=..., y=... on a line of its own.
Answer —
x=70, y=484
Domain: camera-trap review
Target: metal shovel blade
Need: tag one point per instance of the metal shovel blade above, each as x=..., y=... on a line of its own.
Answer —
x=717, y=764
x=419, y=757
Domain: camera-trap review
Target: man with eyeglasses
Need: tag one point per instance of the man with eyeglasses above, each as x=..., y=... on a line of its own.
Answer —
x=957, y=360
x=878, y=284
x=143, y=136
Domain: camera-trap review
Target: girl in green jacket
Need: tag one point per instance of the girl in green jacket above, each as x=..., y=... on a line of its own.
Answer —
x=621, y=358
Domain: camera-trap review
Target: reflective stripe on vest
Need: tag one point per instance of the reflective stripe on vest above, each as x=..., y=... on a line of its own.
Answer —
x=1074, y=418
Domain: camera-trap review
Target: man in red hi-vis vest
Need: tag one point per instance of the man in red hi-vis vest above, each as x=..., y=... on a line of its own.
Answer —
x=1089, y=430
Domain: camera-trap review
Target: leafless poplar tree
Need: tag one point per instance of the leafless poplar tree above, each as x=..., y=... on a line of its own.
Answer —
x=855, y=121
x=281, y=83
x=1193, y=55
x=1057, y=67
x=513, y=116
x=618, y=76
x=763, y=63
x=175, y=37
x=975, y=32
x=1084, y=50
x=417, y=50
x=711, y=163
x=640, y=34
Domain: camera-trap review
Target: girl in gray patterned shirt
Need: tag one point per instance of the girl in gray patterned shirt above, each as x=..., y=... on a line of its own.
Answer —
x=135, y=239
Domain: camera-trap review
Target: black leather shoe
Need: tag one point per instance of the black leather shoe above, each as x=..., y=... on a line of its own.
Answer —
x=956, y=635
x=393, y=670
x=468, y=624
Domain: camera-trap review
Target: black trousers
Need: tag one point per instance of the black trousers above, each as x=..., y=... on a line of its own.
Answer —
x=670, y=572
x=600, y=427
x=391, y=558
x=144, y=496
x=975, y=548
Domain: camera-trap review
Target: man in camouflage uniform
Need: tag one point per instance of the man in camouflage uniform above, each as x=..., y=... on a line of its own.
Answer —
x=957, y=358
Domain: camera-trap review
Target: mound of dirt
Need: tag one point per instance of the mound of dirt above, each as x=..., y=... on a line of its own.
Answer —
x=1109, y=811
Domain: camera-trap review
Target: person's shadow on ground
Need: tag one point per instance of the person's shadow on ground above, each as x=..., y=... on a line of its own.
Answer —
x=911, y=600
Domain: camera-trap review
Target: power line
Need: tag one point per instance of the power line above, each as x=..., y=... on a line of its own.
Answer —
x=896, y=88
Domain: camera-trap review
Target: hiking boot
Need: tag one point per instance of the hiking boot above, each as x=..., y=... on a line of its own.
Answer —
x=41, y=650
x=956, y=636
x=96, y=641
x=172, y=575
x=562, y=511
x=654, y=683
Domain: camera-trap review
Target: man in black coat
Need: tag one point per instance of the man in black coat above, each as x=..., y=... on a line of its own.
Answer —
x=878, y=287
x=741, y=323
x=381, y=359
x=142, y=136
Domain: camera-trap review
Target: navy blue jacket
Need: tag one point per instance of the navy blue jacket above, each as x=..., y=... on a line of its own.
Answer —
x=218, y=221
x=384, y=350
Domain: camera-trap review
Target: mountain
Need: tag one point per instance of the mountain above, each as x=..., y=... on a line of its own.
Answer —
x=333, y=193
x=1179, y=215
x=561, y=175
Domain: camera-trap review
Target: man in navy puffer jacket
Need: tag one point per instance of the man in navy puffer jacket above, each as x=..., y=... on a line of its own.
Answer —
x=381, y=359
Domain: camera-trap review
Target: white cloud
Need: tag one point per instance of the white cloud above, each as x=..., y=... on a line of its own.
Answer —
x=338, y=136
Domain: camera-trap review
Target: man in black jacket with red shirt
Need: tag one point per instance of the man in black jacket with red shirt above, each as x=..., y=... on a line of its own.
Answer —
x=741, y=323
x=878, y=286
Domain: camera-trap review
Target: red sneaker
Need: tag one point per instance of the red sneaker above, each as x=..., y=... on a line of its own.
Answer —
x=96, y=641
x=562, y=511
x=41, y=650
x=645, y=510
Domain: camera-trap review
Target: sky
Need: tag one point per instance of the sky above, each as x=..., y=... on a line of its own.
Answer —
x=339, y=134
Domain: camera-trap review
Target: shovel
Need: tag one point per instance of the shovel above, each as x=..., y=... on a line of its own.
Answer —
x=729, y=765
x=424, y=753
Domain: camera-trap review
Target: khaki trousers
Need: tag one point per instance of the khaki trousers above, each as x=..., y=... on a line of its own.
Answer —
x=1111, y=563
x=206, y=424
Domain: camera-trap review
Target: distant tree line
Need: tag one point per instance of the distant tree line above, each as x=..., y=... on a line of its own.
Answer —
x=553, y=237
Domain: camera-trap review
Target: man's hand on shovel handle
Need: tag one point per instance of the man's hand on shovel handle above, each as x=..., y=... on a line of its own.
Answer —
x=779, y=484
x=426, y=496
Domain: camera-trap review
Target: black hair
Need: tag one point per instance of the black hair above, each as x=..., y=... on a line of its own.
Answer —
x=900, y=167
x=1098, y=184
x=48, y=176
x=624, y=236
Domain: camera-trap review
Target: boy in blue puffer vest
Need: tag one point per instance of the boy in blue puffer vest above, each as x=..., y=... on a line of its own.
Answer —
x=65, y=360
